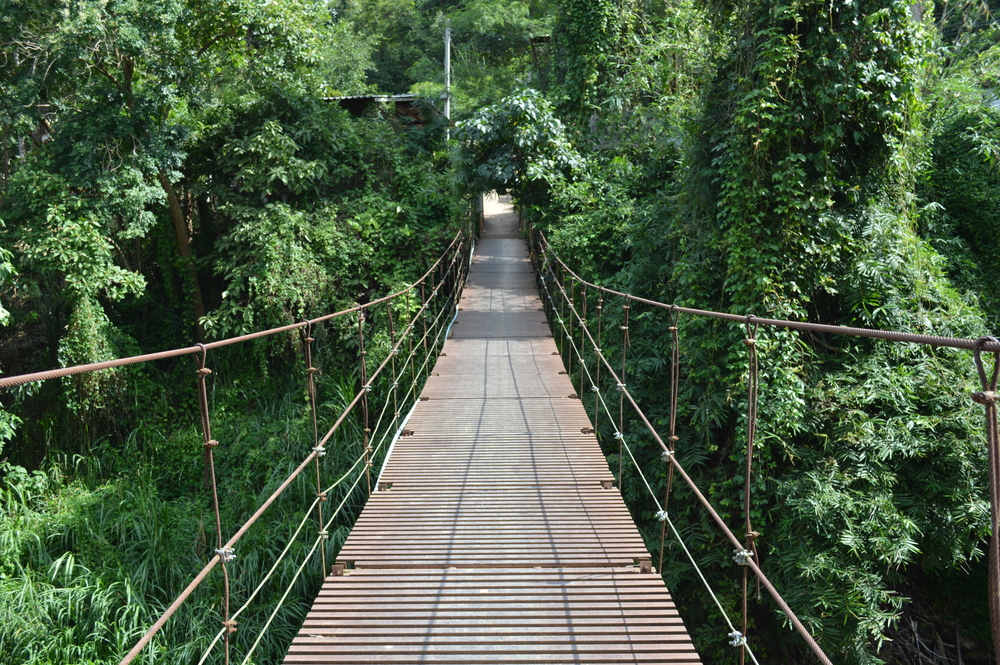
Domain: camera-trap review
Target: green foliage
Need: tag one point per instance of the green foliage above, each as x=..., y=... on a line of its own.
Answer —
x=93, y=548
x=497, y=46
x=768, y=164
x=159, y=158
x=516, y=145
x=587, y=35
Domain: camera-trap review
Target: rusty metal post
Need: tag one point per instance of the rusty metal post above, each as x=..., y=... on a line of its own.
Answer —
x=395, y=379
x=320, y=494
x=988, y=398
x=365, y=388
x=209, y=444
x=597, y=373
x=583, y=342
x=672, y=438
x=621, y=392
x=569, y=331
x=750, y=549
x=423, y=320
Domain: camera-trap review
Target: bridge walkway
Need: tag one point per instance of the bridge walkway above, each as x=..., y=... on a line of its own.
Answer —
x=495, y=533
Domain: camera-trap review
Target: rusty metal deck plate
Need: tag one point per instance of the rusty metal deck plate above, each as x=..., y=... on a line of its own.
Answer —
x=496, y=533
x=478, y=526
x=575, y=615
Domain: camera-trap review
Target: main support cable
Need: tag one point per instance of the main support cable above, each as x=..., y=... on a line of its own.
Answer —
x=736, y=638
x=988, y=343
x=672, y=459
x=224, y=553
x=21, y=379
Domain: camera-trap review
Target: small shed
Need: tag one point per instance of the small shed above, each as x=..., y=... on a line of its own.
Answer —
x=410, y=109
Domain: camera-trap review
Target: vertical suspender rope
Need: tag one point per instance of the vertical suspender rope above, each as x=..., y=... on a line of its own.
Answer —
x=672, y=438
x=320, y=494
x=597, y=349
x=395, y=379
x=988, y=398
x=583, y=340
x=225, y=554
x=423, y=320
x=750, y=549
x=621, y=391
x=562, y=303
x=364, y=398
x=569, y=329
x=409, y=343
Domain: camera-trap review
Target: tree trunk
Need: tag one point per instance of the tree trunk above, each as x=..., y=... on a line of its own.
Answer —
x=184, y=249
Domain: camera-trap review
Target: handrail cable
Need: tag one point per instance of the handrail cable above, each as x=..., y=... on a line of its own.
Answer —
x=623, y=445
x=314, y=454
x=988, y=344
x=338, y=509
x=988, y=398
x=672, y=458
x=298, y=572
x=20, y=379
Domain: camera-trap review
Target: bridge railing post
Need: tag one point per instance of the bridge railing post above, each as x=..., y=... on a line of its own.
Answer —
x=209, y=444
x=988, y=398
x=311, y=387
x=672, y=437
x=365, y=388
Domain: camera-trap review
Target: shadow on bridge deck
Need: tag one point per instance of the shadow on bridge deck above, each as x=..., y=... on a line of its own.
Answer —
x=496, y=533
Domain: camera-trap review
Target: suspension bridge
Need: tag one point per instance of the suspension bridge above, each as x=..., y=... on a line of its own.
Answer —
x=495, y=532
x=493, y=529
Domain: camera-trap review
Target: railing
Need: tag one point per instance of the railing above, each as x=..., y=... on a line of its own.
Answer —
x=570, y=318
x=432, y=299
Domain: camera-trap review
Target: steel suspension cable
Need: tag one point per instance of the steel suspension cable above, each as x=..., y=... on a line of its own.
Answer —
x=224, y=553
x=988, y=343
x=296, y=576
x=736, y=638
x=672, y=438
x=267, y=576
x=321, y=496
x=20, y=379
x=796, y=622
x=169, y=612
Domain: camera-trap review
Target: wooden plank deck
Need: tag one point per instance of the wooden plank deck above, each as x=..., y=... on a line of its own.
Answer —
x=496, y=534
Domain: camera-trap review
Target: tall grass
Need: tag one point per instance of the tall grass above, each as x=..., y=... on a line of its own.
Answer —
x=93, y=549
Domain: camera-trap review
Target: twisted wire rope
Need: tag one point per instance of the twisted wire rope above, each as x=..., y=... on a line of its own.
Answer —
x=623, y=445
x=669, y=456
x=221, y=553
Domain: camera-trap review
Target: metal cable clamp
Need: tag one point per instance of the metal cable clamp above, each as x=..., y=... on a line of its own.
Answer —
x=319, y=450
x=226, y=554
x=742, y=557
x=736, y=639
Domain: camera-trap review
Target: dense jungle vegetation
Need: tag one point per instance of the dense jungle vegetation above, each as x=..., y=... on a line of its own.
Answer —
x=171, y=172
